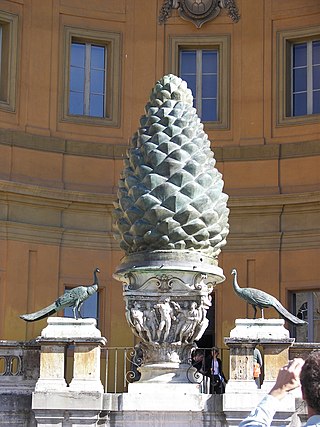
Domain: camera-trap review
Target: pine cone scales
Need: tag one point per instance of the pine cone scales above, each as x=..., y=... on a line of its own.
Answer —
x=170, y=193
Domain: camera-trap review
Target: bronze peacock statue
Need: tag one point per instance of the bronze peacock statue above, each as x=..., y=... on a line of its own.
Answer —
x=71, y=298
x=261, y=299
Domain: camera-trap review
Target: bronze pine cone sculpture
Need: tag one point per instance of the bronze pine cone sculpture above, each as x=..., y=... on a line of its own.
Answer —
x=170, y=193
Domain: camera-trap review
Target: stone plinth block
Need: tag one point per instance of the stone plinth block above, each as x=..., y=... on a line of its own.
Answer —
x=167, y=373
x=65, y=327
x=259, y=329
x=52, y=366
x=55, y=338
x=275, y=355
x=163, y=397
x=241, y=361
x=237, y=406
x=86, y=367
x=67, y=408
x=272, y=338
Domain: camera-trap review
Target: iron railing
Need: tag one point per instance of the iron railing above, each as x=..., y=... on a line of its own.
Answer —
x=122, y=363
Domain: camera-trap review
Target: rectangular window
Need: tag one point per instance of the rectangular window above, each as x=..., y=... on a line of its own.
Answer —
x=90, y=307
x=88, y=79
x=305, y=78
x=199, y=68
x=8, y=59
x=91, y=83
x=306, y=306
x=298, y=76
x=204, y=63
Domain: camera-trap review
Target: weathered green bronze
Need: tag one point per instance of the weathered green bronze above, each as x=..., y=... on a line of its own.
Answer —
x=171, y=219
x=261, y=299
x=170, y=193
x=72, y=298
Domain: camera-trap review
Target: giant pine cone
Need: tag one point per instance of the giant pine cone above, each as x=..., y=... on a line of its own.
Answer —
x=170, y=193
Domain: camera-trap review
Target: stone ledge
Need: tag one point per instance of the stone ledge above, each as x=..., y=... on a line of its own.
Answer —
x=67, y=400
x=252, y=152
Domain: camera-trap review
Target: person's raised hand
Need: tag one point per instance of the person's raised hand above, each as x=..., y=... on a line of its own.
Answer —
x=288, y=378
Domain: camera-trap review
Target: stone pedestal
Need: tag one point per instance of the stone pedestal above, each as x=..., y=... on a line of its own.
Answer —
x=86, y=367
x=167, y=295
x=276, y=355
x=241, y=366
x=163, y=397
x=271, y=335
x=80, y=403
x=242, y=394
x=165, y=387
x=52, y=364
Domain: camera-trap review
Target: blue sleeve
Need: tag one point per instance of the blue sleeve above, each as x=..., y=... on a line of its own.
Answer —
x=263, y=414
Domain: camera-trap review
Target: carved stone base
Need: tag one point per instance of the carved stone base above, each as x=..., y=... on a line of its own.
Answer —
x=168, y=373
x=167, y=295
x=163, y=397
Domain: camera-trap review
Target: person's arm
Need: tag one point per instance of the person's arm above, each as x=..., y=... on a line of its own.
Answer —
x=287, y=380
x=263, y=414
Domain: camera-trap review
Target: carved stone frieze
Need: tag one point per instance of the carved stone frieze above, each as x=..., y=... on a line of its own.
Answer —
x=167, y=319
x=175, y=281
x=167, y=310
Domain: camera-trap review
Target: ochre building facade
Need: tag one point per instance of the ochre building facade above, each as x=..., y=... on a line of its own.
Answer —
x=59, y=165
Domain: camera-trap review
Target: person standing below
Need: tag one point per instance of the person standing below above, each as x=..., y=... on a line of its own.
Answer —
x=295, y=373
x=257, y=364
x=202, y=365
x=217, y=376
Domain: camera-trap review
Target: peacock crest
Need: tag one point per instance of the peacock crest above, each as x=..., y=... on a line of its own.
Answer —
x=170, y=193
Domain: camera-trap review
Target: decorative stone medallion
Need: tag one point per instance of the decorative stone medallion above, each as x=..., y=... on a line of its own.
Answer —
x=198, y=11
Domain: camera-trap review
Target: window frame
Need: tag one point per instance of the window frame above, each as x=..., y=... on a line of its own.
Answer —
x=199, y=96
x=10, y=50
x=285, y=41
x=222, y=43
x=310, y=319
x=87, y=81
x=112, y=43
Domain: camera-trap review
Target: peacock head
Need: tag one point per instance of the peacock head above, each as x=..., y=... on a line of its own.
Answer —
x=234, y=272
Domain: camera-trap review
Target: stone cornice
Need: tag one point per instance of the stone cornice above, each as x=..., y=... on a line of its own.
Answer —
x=62, y=195
x=56, y=217
x=57, y=236
x=267, y=151
x=274, y=200
x=64, y=146
x=117, y=149
x=272, y=241
x=235, y=203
